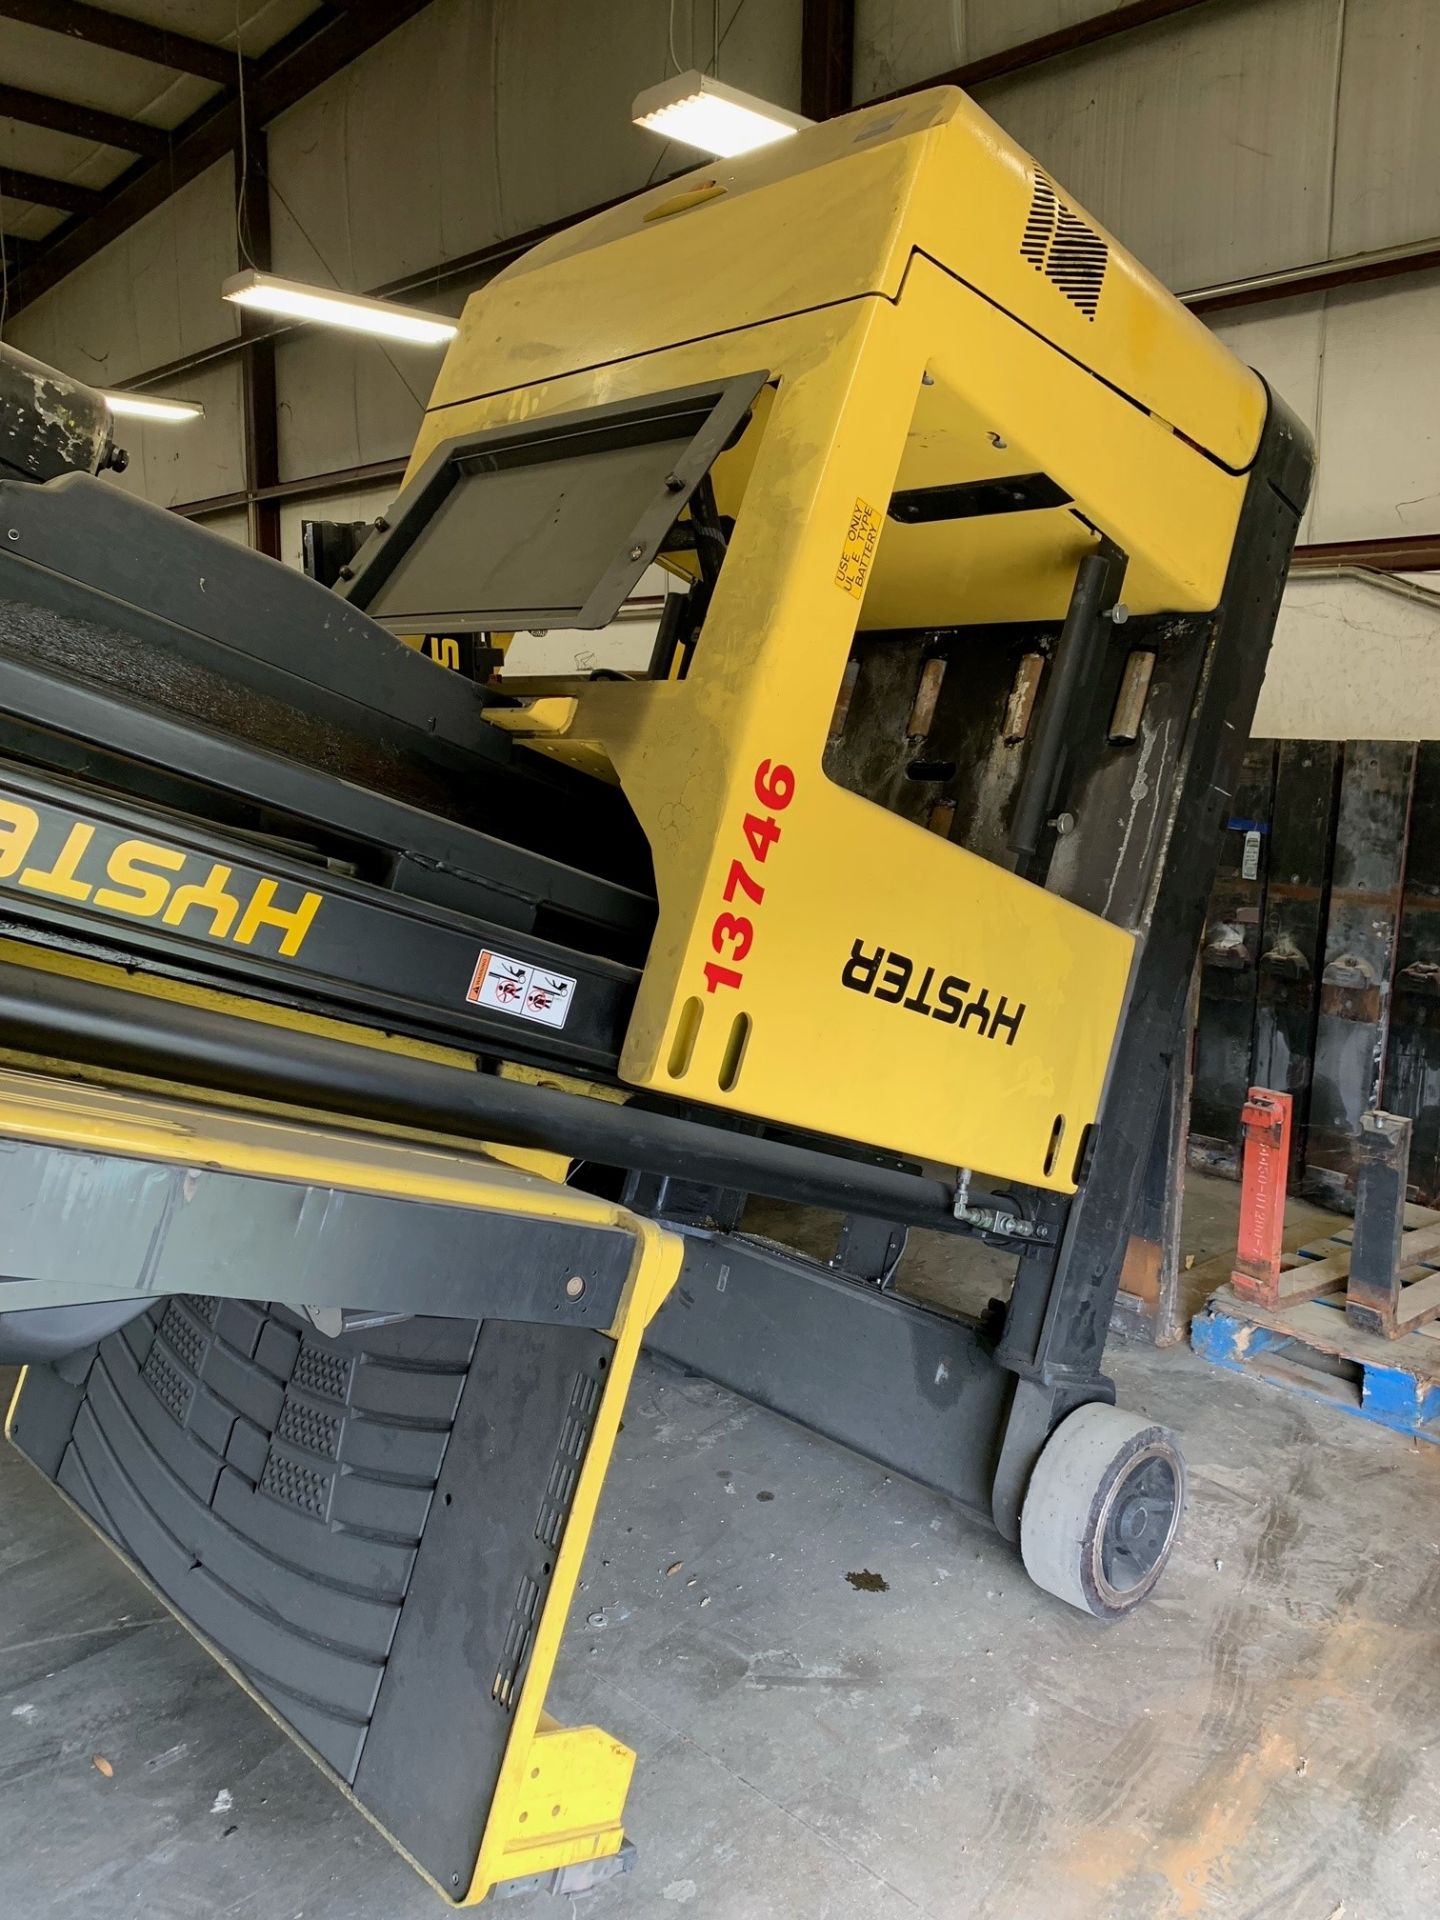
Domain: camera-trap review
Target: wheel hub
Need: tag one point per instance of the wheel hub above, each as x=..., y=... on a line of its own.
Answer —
x=1138, y=1524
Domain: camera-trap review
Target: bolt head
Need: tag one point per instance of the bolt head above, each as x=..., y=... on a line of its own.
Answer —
x=574, y=1287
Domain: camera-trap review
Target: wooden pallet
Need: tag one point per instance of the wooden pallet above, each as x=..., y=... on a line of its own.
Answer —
x=1323, y=1268
x=1311, y=1348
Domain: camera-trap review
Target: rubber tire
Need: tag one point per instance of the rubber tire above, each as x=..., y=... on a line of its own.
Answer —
x=1068, y=1495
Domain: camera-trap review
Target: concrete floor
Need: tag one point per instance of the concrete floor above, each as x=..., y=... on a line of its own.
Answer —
x=1259, y=1743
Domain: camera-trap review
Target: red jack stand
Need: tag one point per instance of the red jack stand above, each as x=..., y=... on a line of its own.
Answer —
x=1265, y=1125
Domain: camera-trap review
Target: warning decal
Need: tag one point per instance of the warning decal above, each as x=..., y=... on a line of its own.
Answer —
x=861, y=538
x=514, y=986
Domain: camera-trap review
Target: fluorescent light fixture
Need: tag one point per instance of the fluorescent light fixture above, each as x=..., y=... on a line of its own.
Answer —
x=144, y=406
x=701, y=112
x=292, y=300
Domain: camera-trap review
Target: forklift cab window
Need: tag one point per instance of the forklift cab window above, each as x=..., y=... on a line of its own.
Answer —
x=545, y=525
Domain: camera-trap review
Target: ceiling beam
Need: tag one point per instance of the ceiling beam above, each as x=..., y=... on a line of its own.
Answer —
x=1321, y=276
x=1398, y=553
x=121, y=34
x=377, y=473
x=85, y=123
x=15, y=252
x=259, y=408
x=324, y=43
x=1050, y=46
x=41, y=191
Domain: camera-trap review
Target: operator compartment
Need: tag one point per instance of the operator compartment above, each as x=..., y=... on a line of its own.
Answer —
x=947, y=551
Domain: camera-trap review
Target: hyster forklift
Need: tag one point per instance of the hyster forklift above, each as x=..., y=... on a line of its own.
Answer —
x=391, y=1050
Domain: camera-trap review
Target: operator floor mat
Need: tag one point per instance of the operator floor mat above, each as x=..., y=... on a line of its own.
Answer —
x=364, y=1527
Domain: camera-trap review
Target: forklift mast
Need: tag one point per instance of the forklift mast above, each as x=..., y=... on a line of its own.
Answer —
x=389, y=1049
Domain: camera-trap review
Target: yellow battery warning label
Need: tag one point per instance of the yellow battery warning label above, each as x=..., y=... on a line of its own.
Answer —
x=862, y=536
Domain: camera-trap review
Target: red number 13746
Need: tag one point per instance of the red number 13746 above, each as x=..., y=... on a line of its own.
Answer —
x=733, y=933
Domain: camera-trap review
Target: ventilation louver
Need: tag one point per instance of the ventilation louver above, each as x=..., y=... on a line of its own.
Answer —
x=1059, y=244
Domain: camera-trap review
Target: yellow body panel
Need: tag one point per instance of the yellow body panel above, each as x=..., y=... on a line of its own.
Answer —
x=924, y=342
x=569, y=1800
x=833, y=214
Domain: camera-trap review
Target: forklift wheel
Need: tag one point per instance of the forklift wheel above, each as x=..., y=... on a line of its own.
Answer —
x=1102, y=1510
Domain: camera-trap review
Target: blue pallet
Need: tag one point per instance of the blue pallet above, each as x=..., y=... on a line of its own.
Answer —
x=1400, y=1390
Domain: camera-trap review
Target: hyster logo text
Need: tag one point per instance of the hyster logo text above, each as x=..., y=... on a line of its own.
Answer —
x=48, y=853
x=890, y=976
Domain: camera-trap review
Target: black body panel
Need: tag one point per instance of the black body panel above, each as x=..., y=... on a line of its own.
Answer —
x=911, y=1388
x=78, y=1225
x=369, y=949
x=463, y=1642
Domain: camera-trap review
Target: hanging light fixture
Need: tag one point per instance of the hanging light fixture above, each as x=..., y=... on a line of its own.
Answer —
x=699, y=111
x=145, y=406
x=293, y=300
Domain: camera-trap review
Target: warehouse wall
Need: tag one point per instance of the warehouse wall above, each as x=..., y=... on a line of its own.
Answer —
x=1354, y=658
x=147, y=299
x=1238, y=138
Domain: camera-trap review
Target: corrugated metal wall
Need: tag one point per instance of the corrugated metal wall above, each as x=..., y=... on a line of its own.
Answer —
x=1203, y=142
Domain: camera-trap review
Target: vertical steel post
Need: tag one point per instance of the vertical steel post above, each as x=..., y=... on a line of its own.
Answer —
x=259, y=410
x=827, y=57
x=1382, y=1163
x=1069, y=681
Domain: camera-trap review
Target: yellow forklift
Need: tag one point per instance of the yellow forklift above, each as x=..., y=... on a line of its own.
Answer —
x=391, y=1050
